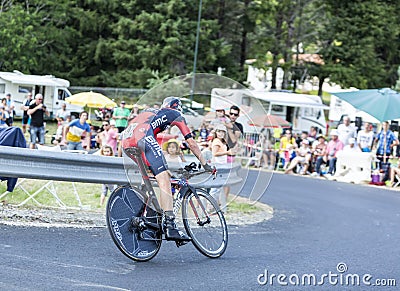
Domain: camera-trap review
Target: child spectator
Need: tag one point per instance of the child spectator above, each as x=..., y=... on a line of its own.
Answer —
x=172, y=151
x=221, y=118
x=106, y=150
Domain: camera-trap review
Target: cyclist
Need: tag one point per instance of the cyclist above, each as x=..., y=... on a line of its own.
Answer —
x=141, y=133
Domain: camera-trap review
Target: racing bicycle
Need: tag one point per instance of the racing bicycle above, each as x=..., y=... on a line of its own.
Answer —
x=136, y=223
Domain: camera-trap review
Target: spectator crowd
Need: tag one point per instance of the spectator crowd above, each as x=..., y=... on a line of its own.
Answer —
x=221, y=138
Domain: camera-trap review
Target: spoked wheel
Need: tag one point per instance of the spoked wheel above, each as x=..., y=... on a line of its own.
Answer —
x=208, y=229
x=123, y=208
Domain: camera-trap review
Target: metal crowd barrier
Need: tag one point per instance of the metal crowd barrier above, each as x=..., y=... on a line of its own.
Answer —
x=73, y=167
x=64, y=166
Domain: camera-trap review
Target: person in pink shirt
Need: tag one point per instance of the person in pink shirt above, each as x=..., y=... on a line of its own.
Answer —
x=334, y=145
x=109, y=136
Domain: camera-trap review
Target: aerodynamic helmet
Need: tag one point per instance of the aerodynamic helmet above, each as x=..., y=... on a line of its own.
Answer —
x=173, y=103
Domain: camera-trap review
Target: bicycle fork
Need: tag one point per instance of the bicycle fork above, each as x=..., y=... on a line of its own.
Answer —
x=194, y=208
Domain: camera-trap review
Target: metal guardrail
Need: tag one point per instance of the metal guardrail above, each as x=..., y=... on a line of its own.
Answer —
x=72, y=167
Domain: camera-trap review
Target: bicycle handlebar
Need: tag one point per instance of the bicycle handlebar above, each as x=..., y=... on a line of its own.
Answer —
x=192, y=170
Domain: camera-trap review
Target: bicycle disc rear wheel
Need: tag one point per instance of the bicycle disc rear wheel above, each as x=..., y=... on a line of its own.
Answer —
x=124, y=204
x=209, y=236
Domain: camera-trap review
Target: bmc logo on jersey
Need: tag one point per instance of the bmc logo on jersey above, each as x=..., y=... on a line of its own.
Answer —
x=159, y=121
x=157, y=151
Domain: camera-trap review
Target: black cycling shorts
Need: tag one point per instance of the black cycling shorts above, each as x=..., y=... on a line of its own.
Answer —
x=153, y=153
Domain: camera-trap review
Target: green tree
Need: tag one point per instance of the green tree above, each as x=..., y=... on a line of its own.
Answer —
x=361, y=43
x=18, y=38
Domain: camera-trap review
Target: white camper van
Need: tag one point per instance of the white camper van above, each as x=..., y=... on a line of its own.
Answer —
x=302, y=111
x=54, y=91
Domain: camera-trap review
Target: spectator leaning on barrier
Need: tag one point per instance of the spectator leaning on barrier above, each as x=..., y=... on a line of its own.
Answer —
x=365, y=138
x=74, y=131
x=37, y=130
x=220, y=152
x=346, y=131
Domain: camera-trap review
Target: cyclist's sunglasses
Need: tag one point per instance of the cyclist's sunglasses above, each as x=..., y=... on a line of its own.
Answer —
x=235, y=114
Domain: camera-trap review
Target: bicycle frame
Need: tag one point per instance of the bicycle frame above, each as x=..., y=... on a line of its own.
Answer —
x=185, y=188
x=135, y=154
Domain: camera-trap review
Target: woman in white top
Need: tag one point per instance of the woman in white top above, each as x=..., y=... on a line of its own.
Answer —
x=220, y=154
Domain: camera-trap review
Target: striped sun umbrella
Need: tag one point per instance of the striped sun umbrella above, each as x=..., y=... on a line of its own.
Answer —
x=269, y=121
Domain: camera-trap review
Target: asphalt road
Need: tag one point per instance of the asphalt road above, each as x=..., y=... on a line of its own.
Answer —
x=323, y=233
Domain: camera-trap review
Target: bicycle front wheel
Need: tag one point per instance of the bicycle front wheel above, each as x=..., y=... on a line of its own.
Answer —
x=125, y=204
x=205, y=223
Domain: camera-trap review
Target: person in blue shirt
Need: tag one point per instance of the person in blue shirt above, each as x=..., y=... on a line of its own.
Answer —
x=386, y=141
x=74, y=131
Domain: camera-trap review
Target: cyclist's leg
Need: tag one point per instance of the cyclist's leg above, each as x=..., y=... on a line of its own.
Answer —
x=166, y=198
x=156, y=161
x=158, y=166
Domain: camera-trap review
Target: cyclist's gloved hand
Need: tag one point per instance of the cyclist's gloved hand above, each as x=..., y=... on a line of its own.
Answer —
x=208, y=168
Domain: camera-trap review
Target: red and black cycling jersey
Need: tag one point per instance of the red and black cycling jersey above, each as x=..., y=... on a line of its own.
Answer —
x=142, y=130
x=152, y=122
